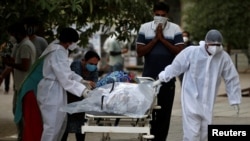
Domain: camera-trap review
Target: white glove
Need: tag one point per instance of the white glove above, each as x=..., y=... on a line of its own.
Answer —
x=86, y=83
x=156, y=83
x=85, y=93
x=237, y=108
x=162, y=76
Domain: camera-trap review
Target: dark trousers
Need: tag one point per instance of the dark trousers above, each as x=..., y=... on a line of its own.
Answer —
x=6, y=79
x=161, y=117
x=7, y=83
x=79, y=136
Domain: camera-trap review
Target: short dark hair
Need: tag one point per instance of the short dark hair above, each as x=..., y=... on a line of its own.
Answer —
x=90, y=54
x=17, y=27
x=31, y=21
x=161, y=6
x=68, y=34
x=188, y=34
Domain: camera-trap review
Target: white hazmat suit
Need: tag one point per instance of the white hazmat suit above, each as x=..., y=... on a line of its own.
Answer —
x=51, y=93
x=200, y=85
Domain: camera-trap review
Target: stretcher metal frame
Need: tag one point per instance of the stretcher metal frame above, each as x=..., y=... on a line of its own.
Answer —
x=109, y=123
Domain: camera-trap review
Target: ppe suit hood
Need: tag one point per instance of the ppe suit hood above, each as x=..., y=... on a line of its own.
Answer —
x=214, y=36
x=52, y=46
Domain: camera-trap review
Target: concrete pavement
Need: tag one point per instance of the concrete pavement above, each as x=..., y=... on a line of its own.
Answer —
x=223, y=114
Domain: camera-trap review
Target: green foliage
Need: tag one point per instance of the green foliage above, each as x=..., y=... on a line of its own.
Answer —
x=122, y=16
x=231, y=17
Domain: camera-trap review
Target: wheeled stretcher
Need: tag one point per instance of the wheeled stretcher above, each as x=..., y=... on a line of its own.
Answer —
x=106, y=123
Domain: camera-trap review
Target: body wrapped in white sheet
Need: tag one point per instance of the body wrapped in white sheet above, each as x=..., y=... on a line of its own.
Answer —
x=128, y=99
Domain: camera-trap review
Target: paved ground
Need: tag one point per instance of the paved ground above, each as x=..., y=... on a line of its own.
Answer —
x=223, y=114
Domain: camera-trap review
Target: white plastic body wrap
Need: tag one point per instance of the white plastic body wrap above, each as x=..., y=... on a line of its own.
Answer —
x=128, y=99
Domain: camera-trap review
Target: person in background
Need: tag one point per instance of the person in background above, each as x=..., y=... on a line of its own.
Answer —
x=57, y=79
x=187, y=42
x=22, y=58
x=87, y=68
x=77, y=53
x=204, y=66
x=6, y=51
x=31, y=25
x=115, y=50
x=7, y=77
x=160, y=40
x=103, y=66
x=186, y=39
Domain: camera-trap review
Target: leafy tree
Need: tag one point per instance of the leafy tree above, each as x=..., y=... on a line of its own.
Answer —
x=231, y=17
x=122, y=16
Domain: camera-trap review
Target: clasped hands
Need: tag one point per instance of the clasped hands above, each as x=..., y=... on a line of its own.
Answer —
x=159, y=32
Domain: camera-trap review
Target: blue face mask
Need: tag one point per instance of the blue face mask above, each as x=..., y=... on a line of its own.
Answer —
x=90, y=67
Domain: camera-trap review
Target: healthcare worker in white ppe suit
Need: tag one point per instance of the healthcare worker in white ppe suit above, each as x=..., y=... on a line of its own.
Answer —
x=57, y=79
x=204, y=66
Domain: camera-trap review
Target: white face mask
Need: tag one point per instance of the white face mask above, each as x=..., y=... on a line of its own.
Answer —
x=160, y=19
x=72, y=47
x=185, y=39
x=214, y=49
